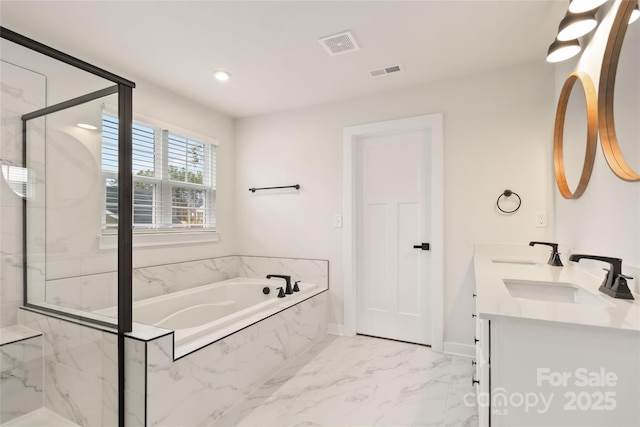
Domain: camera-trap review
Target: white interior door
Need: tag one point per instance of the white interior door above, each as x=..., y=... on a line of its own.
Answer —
x=393, y=208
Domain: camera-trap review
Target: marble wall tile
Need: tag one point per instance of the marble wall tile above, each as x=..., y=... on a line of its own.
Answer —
x=75, y=395
x=163, y=279
x=87, y=293
x=21, y=378
x=135, y=365
x=80, y=369
x=306, y=270
x=22, y=91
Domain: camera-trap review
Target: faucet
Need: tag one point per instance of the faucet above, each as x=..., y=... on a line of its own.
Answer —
x=554, y=259
x=288, y=290
x=614, y=283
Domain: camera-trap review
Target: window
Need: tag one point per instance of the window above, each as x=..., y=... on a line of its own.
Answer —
x=174, y=178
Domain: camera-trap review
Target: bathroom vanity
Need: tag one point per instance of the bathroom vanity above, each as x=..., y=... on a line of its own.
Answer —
x=550, y=348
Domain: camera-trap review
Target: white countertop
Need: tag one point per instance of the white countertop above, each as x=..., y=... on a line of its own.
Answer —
x=494, y=300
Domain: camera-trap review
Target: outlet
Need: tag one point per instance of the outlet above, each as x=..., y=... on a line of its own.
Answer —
x=337, y=221
x=541, y=219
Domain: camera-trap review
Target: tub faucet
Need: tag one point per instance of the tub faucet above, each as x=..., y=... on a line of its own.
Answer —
x=288, y=290
x=614, y=283
x=554, y=259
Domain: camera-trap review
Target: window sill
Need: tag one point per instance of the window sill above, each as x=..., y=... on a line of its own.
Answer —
x=160, y=238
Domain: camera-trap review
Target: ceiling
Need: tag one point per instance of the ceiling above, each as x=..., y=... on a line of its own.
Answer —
x=271, y=48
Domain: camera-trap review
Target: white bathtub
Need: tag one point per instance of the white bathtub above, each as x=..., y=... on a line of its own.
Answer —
x=207, y=313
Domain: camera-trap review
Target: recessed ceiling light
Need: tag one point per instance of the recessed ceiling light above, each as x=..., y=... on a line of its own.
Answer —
x=221, y=75
x=86, y=126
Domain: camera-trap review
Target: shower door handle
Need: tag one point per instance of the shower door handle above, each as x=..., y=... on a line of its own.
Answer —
x=423, y=246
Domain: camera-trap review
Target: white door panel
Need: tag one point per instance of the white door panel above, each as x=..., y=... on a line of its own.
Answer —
x=393, y=216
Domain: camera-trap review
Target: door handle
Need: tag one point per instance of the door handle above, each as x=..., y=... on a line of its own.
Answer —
x=423, y=246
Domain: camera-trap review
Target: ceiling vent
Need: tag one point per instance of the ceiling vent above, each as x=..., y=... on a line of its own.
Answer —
x=338, y=44
x=386, y=70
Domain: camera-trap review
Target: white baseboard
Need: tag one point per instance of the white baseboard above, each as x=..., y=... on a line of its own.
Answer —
x=457, y=349
x=335, y=329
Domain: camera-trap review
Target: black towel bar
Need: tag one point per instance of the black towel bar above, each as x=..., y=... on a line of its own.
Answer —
x=253, y=190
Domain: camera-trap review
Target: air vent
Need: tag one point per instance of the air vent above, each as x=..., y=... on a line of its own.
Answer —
x=386, y=70
x=338, y=44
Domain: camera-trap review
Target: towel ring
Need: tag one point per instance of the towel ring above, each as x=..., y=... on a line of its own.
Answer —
x=508, y=193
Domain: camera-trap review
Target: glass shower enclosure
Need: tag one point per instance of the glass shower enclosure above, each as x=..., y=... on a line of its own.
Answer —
x=54, y=165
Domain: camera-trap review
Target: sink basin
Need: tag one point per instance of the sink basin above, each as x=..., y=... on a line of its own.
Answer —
x=552, y=291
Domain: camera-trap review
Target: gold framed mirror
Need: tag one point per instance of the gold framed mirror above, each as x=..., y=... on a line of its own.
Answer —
x=608, y=135
x=589, y=92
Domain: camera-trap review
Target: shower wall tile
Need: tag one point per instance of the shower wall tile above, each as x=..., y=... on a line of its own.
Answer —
x=21, y=378
x=80, y=368
x=10, y=262
x=22, y=91
x=226, y=371
x=73, y=394
x=306, y=270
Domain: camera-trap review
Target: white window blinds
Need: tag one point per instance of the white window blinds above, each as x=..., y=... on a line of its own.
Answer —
x=174, y=183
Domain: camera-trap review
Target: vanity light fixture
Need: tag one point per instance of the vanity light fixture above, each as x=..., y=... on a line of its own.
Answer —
x=575, y=25
x=579, y=6
x=221, y=75
x=86, y=126
x=635, y=14
x=561, y=50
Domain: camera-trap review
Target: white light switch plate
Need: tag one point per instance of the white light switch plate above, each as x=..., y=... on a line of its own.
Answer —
x=337, y=221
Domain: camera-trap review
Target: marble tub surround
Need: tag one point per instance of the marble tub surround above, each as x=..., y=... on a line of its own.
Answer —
x=347, y=381
x=167, y=278
x=494, y=300
x=306, y=270
x=21, y=372
x=223, y=373
x=91, y=292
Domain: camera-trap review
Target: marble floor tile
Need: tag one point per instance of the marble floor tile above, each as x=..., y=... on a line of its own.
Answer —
x=362, y=381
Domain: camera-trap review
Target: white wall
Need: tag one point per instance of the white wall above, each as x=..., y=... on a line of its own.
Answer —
x=153, y=101
x=606, y=219
x=498, y=129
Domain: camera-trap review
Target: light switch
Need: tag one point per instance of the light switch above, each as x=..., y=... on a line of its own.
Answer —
x=337, y=221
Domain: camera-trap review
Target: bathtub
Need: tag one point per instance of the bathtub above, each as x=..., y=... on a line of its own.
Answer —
x=205, y=314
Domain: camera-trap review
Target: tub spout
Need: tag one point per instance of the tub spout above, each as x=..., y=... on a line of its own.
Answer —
x=288, y=290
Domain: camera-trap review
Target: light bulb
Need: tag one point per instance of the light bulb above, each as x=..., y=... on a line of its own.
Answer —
x=562, y=50
x=575, y=25
x=579, y=6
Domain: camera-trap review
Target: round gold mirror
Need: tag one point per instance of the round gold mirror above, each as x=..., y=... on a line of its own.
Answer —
x=572, y=105
x=620, y=132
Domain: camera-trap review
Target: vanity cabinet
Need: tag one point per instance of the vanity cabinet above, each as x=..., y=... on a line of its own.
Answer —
x=546, y=363
x=481, y=379
x=539, y=373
